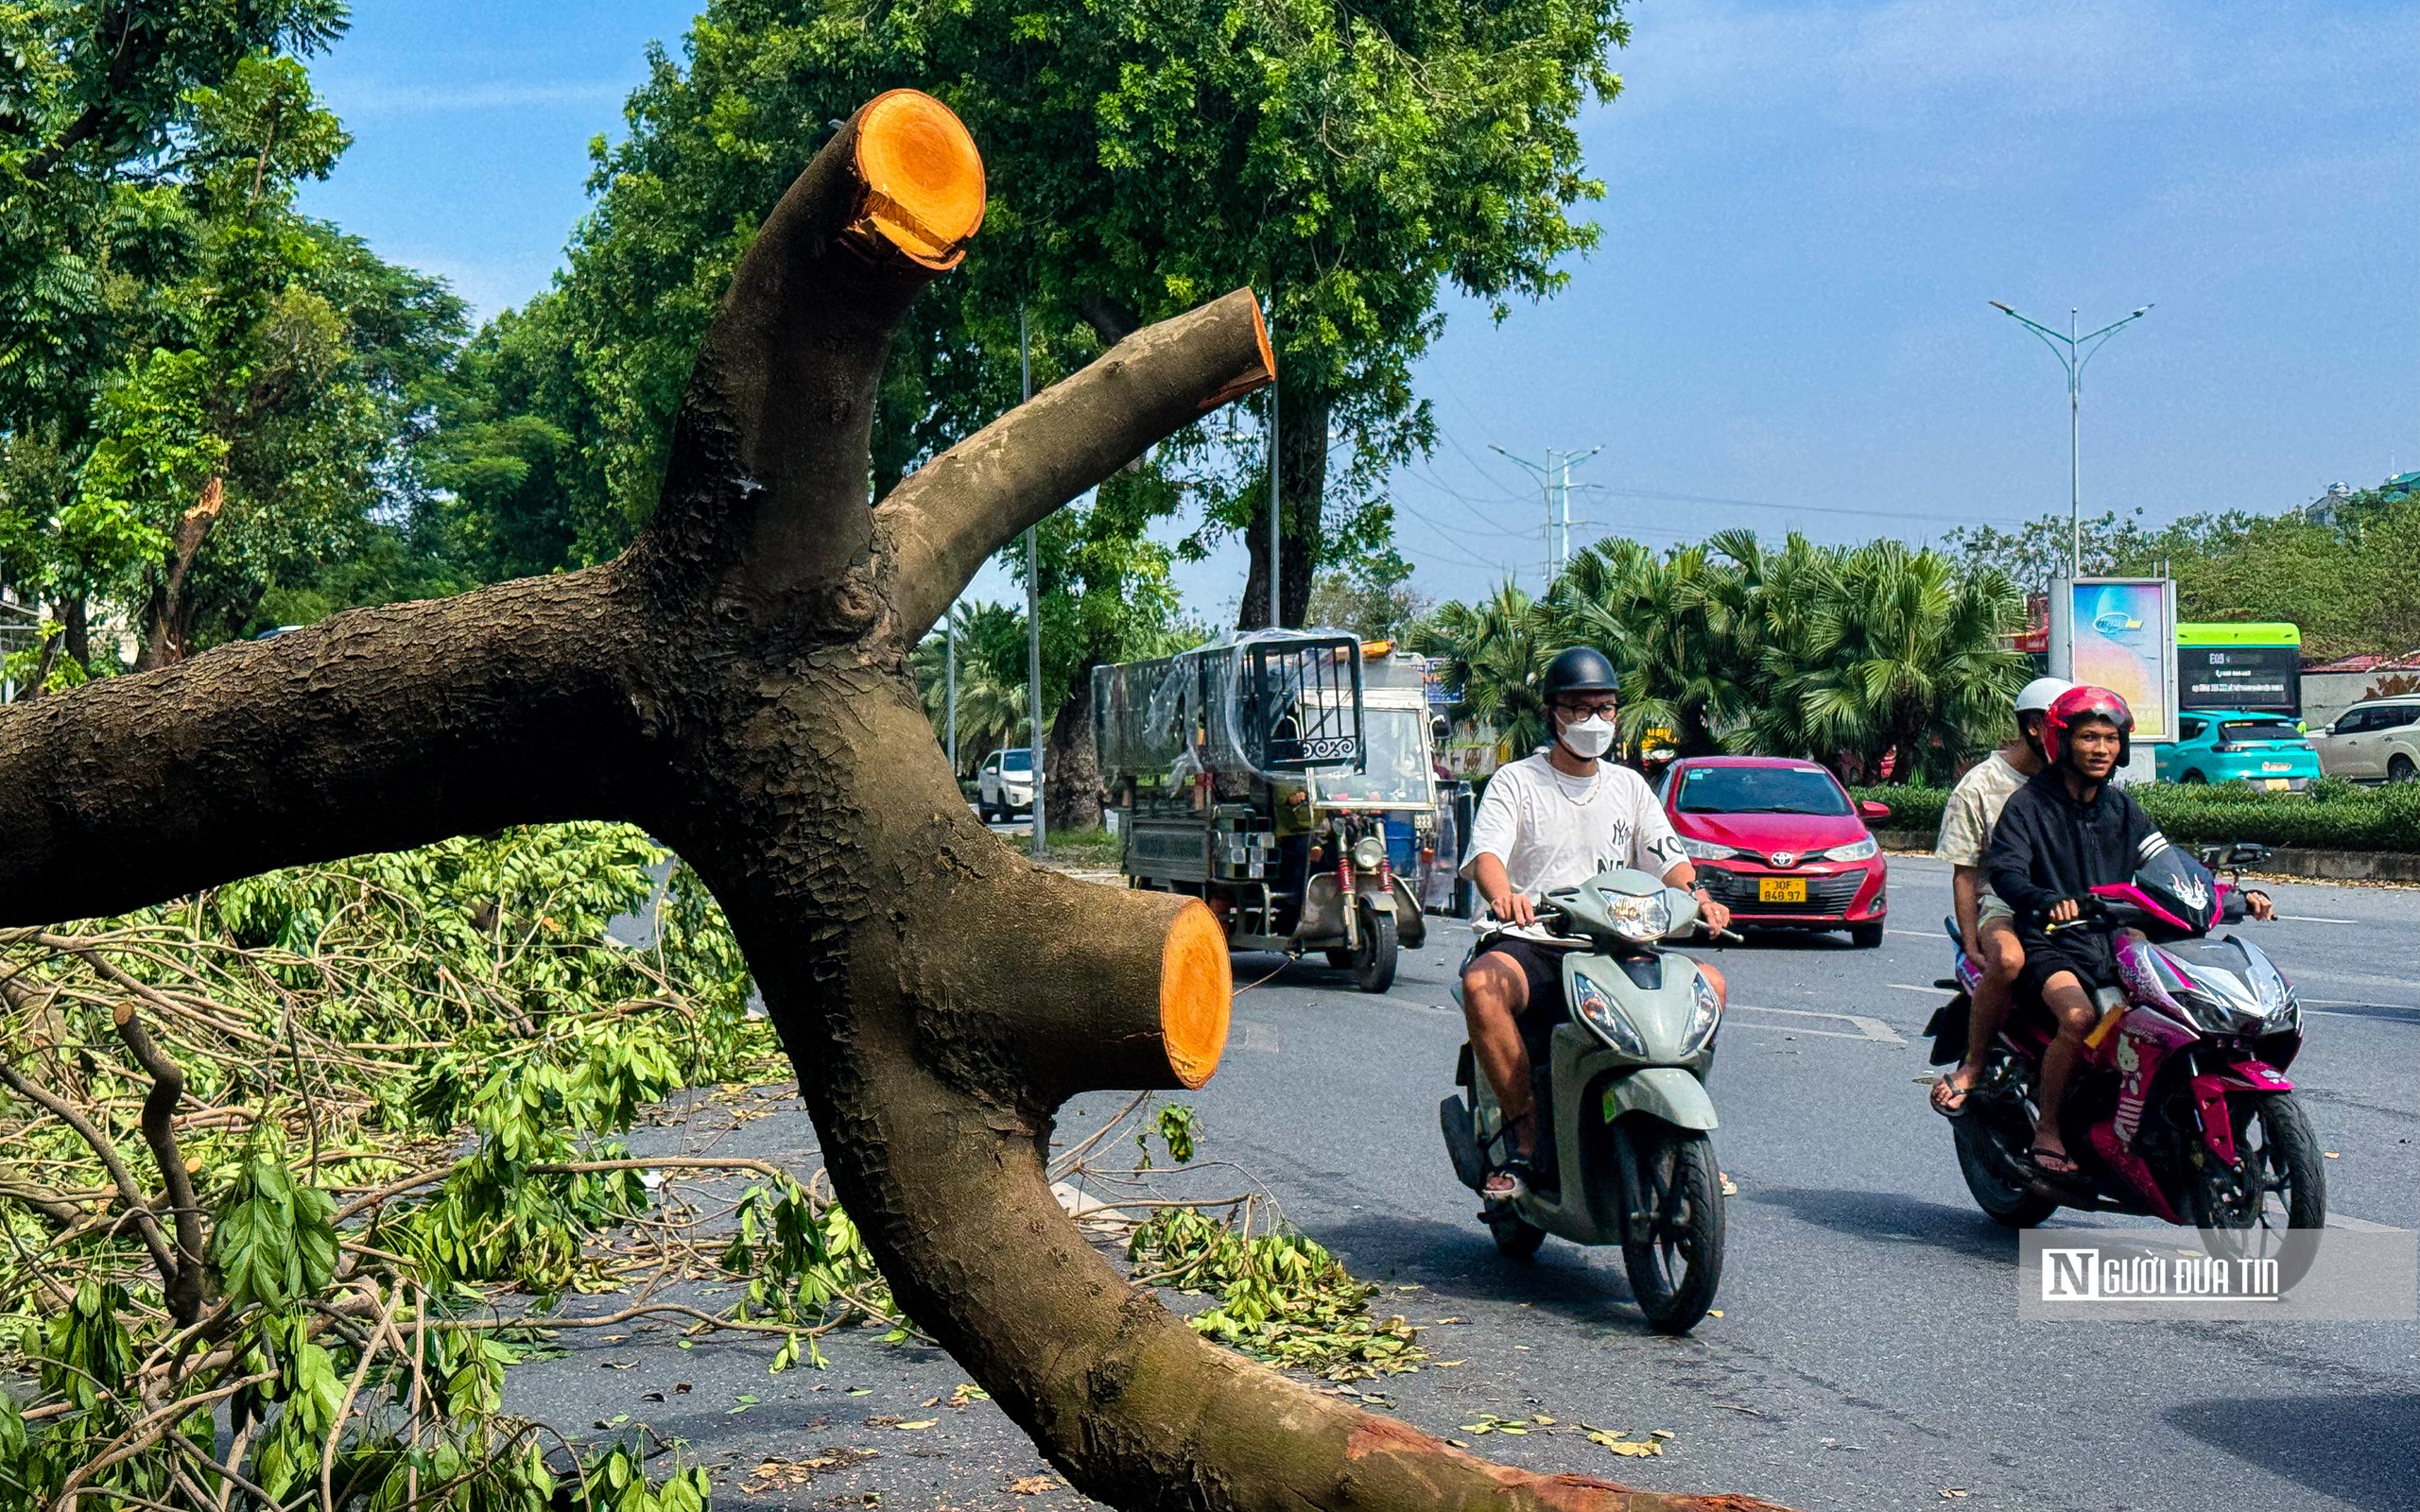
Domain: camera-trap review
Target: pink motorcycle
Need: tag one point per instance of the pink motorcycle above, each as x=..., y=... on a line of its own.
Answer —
x=2179, y=1109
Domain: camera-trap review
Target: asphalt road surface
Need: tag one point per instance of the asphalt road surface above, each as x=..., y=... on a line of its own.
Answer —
x=1868, y=1353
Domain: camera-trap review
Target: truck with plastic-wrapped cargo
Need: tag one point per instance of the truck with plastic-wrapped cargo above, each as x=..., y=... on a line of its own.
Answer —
x=1288, y=778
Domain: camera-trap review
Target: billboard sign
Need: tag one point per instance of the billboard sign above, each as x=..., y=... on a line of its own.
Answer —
x=2119, y=634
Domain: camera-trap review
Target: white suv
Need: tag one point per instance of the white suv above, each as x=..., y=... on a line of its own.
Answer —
x=1005, y=784
x=2378, y=740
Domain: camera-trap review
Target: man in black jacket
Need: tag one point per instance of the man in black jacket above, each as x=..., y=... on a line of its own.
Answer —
x=2064, y=833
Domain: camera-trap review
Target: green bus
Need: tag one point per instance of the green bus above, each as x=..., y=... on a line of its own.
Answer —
x=2258, y=668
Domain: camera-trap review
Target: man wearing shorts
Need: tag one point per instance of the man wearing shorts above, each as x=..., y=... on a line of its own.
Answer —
x=1985, y=922
x=1554, y=819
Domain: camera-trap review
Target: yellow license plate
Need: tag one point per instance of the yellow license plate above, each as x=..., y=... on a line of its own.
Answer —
x=1781, y=889
x=2275, y=784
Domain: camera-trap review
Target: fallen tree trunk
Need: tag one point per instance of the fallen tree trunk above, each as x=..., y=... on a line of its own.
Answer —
x=737, y=683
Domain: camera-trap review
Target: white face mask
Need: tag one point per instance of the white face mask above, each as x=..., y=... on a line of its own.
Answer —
x=1588, y=738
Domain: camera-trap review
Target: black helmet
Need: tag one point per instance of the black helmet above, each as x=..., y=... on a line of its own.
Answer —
x=1580, y=669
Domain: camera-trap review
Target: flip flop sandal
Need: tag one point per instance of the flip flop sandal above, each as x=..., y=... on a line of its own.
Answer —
x=1949, y=1099
x=2041, y=1155
x=1509, y=1180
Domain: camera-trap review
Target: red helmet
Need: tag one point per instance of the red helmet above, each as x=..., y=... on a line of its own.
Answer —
x=2081, y=703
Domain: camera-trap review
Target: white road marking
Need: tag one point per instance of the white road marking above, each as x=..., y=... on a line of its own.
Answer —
x=2361, y=1226
x=2314, y=919
x=1258, y=1036
x=1934, y=934
x=1869, y=1029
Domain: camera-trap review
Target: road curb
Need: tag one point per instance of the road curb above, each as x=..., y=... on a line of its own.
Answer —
x=2286, y=861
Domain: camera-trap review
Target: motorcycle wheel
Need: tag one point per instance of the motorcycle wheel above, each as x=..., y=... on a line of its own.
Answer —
x=1374, y=965
x=1673, y=1271
x=1339, y=957
x=2271, y=1203
x=2010, y=1204
x=1517, y=1238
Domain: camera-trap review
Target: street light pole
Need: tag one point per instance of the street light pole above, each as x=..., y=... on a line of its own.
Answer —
x=1554, y=485
x=2073, y=352
x=1276, y=514
x=1033, y=605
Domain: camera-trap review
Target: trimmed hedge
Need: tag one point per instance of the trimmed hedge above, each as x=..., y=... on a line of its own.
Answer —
x=2333, y=816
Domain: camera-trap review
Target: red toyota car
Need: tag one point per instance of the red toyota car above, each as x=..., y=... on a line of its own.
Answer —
x=1780, y=842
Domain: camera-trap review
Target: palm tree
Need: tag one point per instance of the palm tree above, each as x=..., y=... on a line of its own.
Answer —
x=1496, y=654
x=1677, y=626
x=1876, y=651
x=992, y=698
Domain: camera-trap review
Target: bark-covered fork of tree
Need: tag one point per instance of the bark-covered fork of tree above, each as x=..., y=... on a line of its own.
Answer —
x=737, y=683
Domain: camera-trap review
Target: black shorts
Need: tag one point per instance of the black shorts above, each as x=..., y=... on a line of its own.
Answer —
x=2088, y=954
x=1542, y=968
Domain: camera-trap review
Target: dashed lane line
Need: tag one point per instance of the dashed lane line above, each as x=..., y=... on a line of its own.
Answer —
x=1872, y=1030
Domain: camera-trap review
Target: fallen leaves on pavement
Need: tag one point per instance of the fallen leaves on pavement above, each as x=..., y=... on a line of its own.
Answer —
x=777, y=1475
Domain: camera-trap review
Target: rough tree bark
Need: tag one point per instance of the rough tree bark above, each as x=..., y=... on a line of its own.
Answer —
x=1301, y=462
x=737, y=683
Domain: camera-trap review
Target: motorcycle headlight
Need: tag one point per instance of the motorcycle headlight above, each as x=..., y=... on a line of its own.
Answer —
x=1705, y=850
x=1369, y=853
x=1864, y=850
x=1642, y=920
x=1705, y=1017
x=1596, y=1010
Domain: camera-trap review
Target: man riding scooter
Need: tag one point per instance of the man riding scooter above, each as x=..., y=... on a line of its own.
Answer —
x=1554, y=819
x=2064, y=833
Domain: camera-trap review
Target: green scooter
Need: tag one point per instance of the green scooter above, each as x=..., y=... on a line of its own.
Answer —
x=1621, y=1086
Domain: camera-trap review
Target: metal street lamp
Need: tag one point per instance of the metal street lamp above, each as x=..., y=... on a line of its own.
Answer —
x=1554, y=481
x=2073, y=352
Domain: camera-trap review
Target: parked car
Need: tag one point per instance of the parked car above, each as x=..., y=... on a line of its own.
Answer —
x=2377, y=741
x=1780, y=843
x=1004, y=786
x=2226, y=745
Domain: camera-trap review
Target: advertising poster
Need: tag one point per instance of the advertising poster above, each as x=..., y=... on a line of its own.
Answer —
x=2119, y=634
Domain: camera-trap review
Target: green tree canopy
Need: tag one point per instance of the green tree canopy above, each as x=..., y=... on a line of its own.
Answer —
x=1141, y=157
x=2350, y=579
x=242, y=421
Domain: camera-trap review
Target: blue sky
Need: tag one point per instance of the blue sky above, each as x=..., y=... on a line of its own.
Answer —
x=1808, y=207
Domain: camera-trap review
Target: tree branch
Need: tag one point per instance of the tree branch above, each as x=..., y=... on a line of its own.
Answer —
x=138, y=1207
x=768, y=475
x=939, y=526
x=183, y=1289
x=373, y=731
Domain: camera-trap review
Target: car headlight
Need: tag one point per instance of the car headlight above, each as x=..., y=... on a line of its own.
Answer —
x=1705, y=850
x=1598, y=1013
x=1369, y=852
x=1643, y=920
x=1864, y=850
x=1705, y=1016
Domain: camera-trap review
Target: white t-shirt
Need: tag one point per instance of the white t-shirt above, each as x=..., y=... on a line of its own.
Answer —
x=1551, y=830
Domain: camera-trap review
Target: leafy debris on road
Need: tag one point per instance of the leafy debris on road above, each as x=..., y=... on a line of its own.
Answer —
x=782, y=1475
x=1282, y=1296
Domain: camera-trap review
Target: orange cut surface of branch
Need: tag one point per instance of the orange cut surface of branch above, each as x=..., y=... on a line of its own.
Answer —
x=1196, y=990
x=923, y=178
